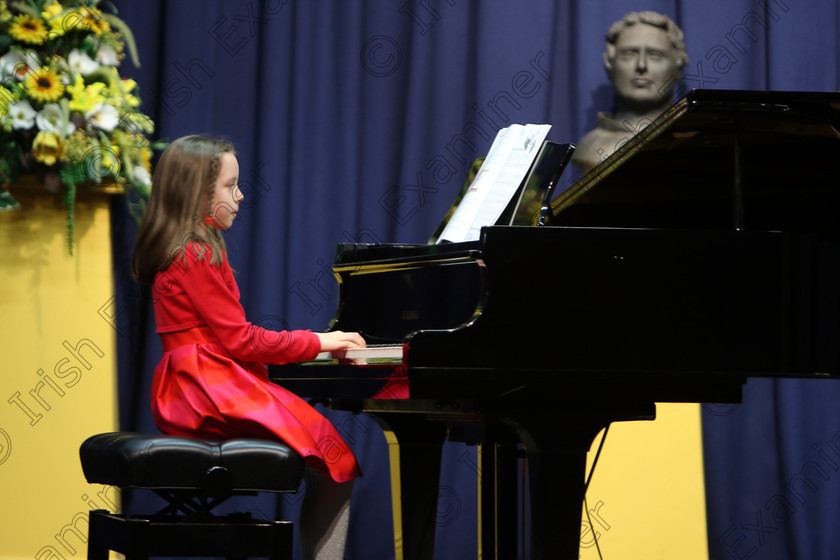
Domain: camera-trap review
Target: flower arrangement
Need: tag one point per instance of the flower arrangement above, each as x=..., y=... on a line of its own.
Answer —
x=66, y=115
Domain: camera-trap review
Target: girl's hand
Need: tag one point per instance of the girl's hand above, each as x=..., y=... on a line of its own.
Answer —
x=338, y=340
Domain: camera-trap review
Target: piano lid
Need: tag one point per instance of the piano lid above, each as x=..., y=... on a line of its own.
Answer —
x=720, y=159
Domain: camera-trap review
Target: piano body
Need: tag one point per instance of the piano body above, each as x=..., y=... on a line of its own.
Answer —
x=703, y=252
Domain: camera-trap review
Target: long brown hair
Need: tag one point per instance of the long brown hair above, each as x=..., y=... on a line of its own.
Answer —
x=182, y=189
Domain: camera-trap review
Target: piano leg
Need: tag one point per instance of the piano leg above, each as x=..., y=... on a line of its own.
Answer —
x=556, y=453
x=499, y=515
x=556, y=503
x=415, y=477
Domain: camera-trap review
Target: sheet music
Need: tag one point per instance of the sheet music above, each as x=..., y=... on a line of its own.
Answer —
x=511, y=155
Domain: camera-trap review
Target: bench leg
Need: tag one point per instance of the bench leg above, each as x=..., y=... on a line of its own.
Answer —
x=95, y=551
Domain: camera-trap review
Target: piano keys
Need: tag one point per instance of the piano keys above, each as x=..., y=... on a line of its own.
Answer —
x=703, y=252
x=392, y=353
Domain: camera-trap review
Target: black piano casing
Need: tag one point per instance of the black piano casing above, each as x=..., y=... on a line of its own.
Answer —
x=640, y=301
x=570, y=302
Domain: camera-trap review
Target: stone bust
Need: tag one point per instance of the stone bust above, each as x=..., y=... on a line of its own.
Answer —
x=644, y=58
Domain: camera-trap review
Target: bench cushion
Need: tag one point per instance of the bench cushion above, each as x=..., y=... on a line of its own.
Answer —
x=132, y=460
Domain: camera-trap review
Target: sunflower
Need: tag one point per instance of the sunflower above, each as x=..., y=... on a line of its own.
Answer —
x=27, y=29
x=92, y=20
x=44, y=85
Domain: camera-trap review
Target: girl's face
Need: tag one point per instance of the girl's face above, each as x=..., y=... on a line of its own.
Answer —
x=226, y=193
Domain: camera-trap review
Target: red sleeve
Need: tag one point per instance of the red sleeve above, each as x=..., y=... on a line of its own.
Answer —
x=212, y=291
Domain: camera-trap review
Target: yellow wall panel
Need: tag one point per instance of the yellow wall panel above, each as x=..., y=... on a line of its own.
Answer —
x=646, y=500
x=58, y=382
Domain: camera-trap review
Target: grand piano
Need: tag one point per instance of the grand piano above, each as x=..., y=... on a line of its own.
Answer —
x=701, y=253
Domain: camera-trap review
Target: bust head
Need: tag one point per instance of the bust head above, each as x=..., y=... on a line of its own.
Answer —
x=644, y=57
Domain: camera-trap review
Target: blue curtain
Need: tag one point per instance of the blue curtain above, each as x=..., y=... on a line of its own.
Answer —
x=357, y=121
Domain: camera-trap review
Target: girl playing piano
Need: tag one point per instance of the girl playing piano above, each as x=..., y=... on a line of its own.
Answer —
x=212, y=381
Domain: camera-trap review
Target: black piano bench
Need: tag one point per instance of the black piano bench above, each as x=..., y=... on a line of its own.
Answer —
x=194, y=476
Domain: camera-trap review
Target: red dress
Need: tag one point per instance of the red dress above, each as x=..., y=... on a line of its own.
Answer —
x=212, y=381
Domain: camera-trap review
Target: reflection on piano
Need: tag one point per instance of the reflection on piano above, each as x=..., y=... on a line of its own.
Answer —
x=703, y=252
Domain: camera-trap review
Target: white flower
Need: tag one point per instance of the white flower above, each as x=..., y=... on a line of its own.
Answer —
x=51, y=119
x=103, y=116
x=141, y=175
x=107, y=55
x=18, y=63
x=21, y=113
x=81, y=62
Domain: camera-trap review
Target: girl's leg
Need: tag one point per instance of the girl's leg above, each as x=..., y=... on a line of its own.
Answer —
x=324, y=516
